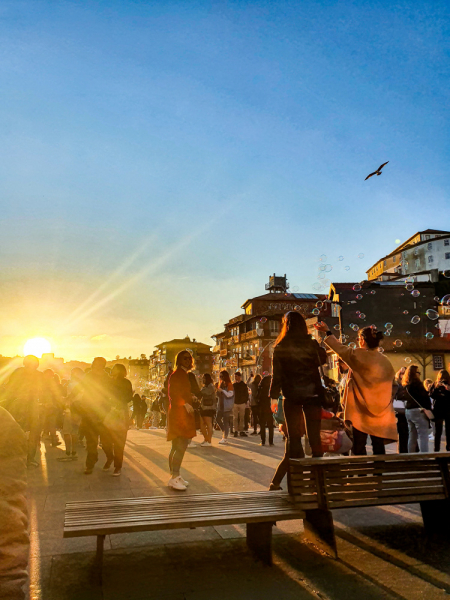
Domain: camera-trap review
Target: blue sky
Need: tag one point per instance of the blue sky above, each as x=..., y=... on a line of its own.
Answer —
x=160, y=159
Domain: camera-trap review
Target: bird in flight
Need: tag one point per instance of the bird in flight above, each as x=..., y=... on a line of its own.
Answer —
x=377, y=172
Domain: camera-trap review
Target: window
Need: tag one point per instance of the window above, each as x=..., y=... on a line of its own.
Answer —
x=427, y=237
x=393, y=258
x=417, y=263
x=274, y=326
x=384, y=263
x=430, y=246
x=447, y=255
x=447, y=242
x=249, y=310
x=416, y=251
x=430, y=259
x=438, y=362
x=335, y=310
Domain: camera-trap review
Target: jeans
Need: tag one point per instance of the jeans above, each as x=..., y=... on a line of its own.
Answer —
x=266, y=420
x=418, y=428
x=360, y=441
x=223, y=421
x=294, y=408
x=238, y=417
x=176, y=455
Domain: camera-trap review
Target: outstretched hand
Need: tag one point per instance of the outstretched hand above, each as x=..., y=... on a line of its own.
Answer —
x=189, y=409
x=321, y=326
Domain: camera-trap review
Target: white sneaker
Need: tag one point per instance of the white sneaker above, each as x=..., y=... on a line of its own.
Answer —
x=223, y=441
x=176, y=483
x=205, y=444
x=192, y=445
x=186, y=483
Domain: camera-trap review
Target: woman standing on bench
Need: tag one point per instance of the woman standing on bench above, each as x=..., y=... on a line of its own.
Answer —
x=180, y=417
x=295, y=373
x=368, y=394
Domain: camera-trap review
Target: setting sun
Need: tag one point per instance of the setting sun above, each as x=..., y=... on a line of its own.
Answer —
x=37, y=346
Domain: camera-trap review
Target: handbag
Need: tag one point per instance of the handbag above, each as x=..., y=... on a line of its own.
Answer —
x=426, y=411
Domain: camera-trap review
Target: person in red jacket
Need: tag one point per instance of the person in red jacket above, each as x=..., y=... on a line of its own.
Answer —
x=180, y=417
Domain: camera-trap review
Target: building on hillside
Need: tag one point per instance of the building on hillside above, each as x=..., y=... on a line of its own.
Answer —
x=424, y=254
x=138, y=373
x=163, y=358
x=246, y=343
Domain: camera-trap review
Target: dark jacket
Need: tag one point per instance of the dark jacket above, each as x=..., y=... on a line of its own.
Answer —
x=240, y=393
x=440, y=395
x=264, y=393
x=416, y=391
x=295, y=370
x=121, y=393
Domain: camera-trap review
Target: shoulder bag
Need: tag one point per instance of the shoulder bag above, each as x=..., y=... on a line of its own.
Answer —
x=427, y=412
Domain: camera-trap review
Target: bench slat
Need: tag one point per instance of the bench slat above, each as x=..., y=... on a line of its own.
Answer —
x=387, y=458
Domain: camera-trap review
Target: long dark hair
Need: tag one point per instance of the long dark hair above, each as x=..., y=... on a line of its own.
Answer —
x=443, y=377
x=410, y=375
x=293, y=330
x=371, y=337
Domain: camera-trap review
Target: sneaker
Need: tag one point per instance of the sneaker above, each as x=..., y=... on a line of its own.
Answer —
x=243, y=434
x=117, y=473
x=88, y=471
x=107, y=464
x=184, y=482
x=223, y=441
x=176, y=483
x=236, y=434
x=192, y=445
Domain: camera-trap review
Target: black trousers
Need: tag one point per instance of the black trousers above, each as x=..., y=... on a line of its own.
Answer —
x=255, y=417
x=439, y=423
x=266, y=420
x=360, y=441
x=403, y=433
x=294, y=409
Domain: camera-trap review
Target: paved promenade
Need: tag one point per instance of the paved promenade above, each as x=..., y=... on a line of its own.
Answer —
x=383, y=551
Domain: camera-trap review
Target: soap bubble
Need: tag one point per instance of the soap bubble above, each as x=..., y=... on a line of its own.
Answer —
x=337, y=327
x=398, y=343
x=356, y=287
x=408, y=332
x=322, y=267
x=429, y=335
x=347, y=268
x=436, y=299
x=415, y=320
x=358, y=312
x=352, y=345
x=409, y=287
x=445, y=300
x=372, y=292
x=388, y=325
x=432, y=314
x=362, y=316
x=446, y=274
x=319, y=304
x=408, y=360
x=359, y=297
x=415, y=293
x=380, y=349
x=297, y=307
x=388, y=332
x=328, y=268
x=405, y=312
x=316, y=311
x=296, y=288
x=317, y=286
x=355, y=327
x=341, y=258
x=263, y=320
x=323, y=257
x=321, y=275
x=360, y=255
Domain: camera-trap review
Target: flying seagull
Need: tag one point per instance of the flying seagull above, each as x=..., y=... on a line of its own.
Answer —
x=377, y=172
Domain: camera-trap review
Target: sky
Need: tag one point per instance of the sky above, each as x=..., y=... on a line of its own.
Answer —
x=159, y=160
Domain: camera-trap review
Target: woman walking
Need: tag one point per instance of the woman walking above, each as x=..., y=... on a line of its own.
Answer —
x=295, y=374
x=368, y=395
x=180, y=417
x=265, y=410
x=254, y=403
x=440, y=395
x=417, y=399
x=208, y=409
x=225, y=395
x=115, y=426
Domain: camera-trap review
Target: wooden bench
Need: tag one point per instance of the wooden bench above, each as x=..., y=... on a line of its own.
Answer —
x=259, y=510
x=359, y=481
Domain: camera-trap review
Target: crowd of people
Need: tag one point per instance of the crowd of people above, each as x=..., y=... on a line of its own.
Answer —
x=369, y=400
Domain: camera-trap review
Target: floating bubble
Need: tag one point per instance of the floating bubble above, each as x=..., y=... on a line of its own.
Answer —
x=388, y=325
x=322, y=267
x=347, y=268
x=316, y=311
x=355, y=328
x=373, y=326
x=408, y=360
x=336, y=327
x=356, y=287
x=360, y=255
x=445, y=300
x=415, y=320
x=322, y=275
x=328, y=268
x=406, y=312
x=408, y=332
x=409, y=280
x=341, y=258
x=446, y=274
x=323, y=257
x=429, y=335
x=372, y=292
x=409, y=287
x=351, y=325
x=398, y=343
x=432, y=314
x=380, y=349
x=297, y=307
x=362, y=316
x=388, y=332
x=319, y=304
x=263, y=320
x=359, y=297
x=352, y=345
x=296, y=288
x=415, y=293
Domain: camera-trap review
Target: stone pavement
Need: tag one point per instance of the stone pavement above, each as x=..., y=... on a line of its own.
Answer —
x=383, y=552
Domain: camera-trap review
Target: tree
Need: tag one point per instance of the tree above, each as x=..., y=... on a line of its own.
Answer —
x=143, y=357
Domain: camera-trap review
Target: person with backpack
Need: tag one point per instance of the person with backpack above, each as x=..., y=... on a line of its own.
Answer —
x=440, y=396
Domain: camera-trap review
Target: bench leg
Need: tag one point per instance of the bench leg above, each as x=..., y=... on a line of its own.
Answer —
x=259, y=540
x=319, y=530
x=99, y=557
x=436, y=516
